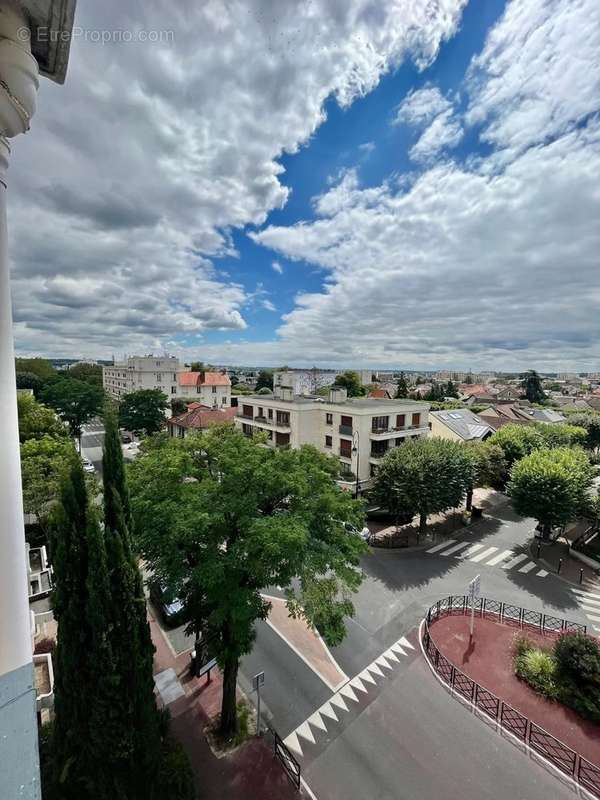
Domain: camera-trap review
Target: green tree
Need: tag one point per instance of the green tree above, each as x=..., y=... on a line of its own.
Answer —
x=37, y=420
x=264, y=380
x=143, y=411
x=75, y=402
x=350, y=381
x=38, y=366
x=516, y=441
x=135, y=754
x=450, y=390
x=218, y=548
x=531, y=383
x=29, y=380
x=469, y=379
x=552, y=486
x=489, y=466
x=43, y=463
x=402, y=387
x=178, y=406
x=88, y=373
x=562, y=434
x=591, y=425
x=424, y=476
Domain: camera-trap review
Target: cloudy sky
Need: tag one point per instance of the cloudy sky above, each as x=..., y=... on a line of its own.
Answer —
x=411, y=183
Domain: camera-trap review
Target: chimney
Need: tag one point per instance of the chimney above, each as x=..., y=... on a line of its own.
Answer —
x=338, y=394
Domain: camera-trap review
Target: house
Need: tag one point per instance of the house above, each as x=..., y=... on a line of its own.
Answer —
x=503, y=414
x=208, y=388
x=381, y=394
x=547, y=415
x=459, y=425
x=199, y=418
x=357, y=431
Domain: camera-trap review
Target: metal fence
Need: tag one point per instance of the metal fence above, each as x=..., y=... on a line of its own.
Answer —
x=287, y=760
x=552, y=749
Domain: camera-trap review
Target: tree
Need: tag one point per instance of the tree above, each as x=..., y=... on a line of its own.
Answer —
x=43, y=463
x=489, y=466
x=531, y=383
x=88, y=373
x=402, y=387
x=450, y=390
x=29, y=380
x=217, y=547
x=264, y=380
x=469, y=379
x=75, y=402
x=436, y=393
x=136, y=737
x=350, y=381
x=551, y=486
x=178, y=406
x=591, y=424
x=37, y=421
x=38, y=366
x=143, y=411
x=424, y=476
x=516, y=441
x=562, y=434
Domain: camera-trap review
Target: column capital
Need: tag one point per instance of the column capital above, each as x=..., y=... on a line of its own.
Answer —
x=19, y=72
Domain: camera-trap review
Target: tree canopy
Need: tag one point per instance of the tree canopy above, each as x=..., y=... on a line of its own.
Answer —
x=219, y=517
x=143, y=411
x=591, y=424
x=402, y=387
x=489, y=466
x=531, y=383
x=424, y=476
x=517, y=441
x=350, y=381
x=552, y=486
x=38, y=366
x=88, y=373
x=37, y=420
x=29, y=380
x=562, y=434
x=43, y=463
x=264, y=380
x=74, y=401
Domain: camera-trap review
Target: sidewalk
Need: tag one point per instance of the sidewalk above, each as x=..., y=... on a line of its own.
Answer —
x=555, y=558
x=251, y=772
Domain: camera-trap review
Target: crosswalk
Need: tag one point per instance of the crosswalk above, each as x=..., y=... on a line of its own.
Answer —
x=355, y=691
x=588, y=600
x=488, y=556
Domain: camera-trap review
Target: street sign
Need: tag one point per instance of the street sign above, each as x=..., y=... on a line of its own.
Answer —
x=258, y=680
x=474, y=587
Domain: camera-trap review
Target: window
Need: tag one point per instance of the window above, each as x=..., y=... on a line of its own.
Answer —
x=400, y=420
x=346, y=426
x=173, y=390
x=247, y=411
x=283, y=417
x=379, y=449
x=345, y=469
x=329, y=419
x=380, y=424
x=416, y=419
x=260, y=412
x=159, y=377
x=198, y=389
x=214, y=389
x=373, y=470
x=270, y=413
x=328, y=441
x=345, y=448
x=223, y=401
x=174, y=376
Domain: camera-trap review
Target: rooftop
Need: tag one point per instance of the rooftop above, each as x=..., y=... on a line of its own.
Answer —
x=464, y=423
x=371, y=403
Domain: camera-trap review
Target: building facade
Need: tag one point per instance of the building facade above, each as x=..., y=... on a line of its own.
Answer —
x=142, y=372
x=212, y=389
x=357, y=431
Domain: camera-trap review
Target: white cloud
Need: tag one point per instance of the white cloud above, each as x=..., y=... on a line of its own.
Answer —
x=444, y=133
x=434, y=114
x=421, y=106
x=268, y=305
x=277, y=267
x=137, y=170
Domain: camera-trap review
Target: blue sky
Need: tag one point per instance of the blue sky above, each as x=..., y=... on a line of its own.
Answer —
x=423, y=176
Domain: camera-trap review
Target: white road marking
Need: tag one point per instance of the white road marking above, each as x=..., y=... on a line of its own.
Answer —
x=516, y=560
x=485, y=554
x=473, y=549
x=542, y=573
x=528, y=567
x=587, y=595
x=305, y=731
x=315, y=719
x=440, y=546
x=348, y=692
x=500, y=557
x=455, y=548
x=594, y=611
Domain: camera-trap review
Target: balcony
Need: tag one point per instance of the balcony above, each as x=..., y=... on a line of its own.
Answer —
x=246, y=416
x=345, y=453
x=345, y=430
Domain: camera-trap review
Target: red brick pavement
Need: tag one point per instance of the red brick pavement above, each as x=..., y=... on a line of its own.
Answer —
x=488, y=660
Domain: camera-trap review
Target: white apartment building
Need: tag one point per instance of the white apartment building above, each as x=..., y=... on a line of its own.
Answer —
x=358, y=431
x=309, y=381
x=212, y=389
x=142, y=372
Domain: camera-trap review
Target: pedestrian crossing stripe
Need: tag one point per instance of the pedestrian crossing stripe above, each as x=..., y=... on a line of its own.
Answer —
x=490, y=557
x=331, y=711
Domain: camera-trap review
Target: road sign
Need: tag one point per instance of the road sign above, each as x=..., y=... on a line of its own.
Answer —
x=474, y=589
x=257, y=681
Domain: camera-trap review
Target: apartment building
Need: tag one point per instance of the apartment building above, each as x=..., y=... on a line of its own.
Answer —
x=142, y=372
x=212, y=389
x=357, y=431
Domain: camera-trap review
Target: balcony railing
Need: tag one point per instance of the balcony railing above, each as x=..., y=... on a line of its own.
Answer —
x=261, y=418
x=346, y=430
x=246, y=416
x=345, y=453
x=378, y=453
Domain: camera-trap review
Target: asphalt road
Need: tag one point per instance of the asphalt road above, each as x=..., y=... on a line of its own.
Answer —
x=406, y=737
x=92, y=440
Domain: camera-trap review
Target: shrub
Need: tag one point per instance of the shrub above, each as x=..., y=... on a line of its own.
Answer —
x=521, y=644
x=176, y=779
x=45, y=646
x=538, y=668
x=578, y=658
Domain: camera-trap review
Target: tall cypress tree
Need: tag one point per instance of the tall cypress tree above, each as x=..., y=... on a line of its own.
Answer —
x=136, y=754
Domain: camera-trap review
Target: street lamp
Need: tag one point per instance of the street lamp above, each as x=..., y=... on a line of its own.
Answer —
x=355, y=447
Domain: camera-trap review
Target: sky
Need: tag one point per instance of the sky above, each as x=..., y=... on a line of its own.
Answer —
x=344, y=183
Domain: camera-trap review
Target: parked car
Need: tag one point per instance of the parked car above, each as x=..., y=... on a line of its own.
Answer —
x=364, y=533
x=126, y=437
x=87, y=465
x=170, y=608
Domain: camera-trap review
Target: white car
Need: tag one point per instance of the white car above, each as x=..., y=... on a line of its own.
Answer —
x=87, y=465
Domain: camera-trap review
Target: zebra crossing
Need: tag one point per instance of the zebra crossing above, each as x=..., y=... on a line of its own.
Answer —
x=349, y=696
x=489, y=557
x=588, y=599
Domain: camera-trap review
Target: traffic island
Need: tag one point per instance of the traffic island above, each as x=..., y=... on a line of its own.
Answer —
x=480, y=670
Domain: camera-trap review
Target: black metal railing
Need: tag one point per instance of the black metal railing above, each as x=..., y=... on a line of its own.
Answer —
x=552, y=749
x=287, y=760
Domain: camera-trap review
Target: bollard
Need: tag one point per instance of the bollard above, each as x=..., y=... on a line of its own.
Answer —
x=559, y=566
x=538, y=549
x=580, y=576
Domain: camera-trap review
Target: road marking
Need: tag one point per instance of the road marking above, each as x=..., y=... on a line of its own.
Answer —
x=305, y=731
x=455, y=548
x=528, y=567
x=516, y=560
x=473, y=549
x=593, y=610
x=542, y=573
x=497, y=559
x=587, y=595
x=485, y=554
x=593, y=617
x=440, y=546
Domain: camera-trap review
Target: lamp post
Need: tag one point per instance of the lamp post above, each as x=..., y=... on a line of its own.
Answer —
x=355, y=451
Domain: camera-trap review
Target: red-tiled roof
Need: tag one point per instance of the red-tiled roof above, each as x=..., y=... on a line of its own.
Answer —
x=203, y=417
x=188, y=378
x=477, y=389
x=215, y=379
x=382, y=394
